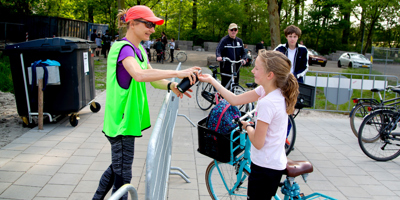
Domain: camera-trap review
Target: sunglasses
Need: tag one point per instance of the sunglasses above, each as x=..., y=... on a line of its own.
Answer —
x=148, y=24
x=234, y=29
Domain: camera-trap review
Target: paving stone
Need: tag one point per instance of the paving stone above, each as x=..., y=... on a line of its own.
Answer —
x=58, y=191
x=20, y=192
x=33, y=180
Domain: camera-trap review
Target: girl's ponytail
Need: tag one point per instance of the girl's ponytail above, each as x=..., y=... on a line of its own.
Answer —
x=290, y=92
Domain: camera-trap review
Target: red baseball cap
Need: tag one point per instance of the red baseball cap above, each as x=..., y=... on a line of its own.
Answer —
x=142, y=12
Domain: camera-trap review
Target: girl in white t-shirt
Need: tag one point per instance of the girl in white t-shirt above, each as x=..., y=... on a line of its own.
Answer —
x=276, y=97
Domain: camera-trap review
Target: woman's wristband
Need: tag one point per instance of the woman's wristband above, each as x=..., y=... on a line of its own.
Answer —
x=249, y=125
x=169, y=86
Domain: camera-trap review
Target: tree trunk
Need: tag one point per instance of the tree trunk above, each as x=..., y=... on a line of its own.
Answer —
x=244, y=27
x=194, y=23
x=296, y=12
x=274, y=23
x=346, y=23
x=90, y=13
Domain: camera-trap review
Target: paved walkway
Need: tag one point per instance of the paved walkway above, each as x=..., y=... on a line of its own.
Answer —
x=64, y=162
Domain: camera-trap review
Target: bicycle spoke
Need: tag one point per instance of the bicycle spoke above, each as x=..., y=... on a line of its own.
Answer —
x=217, y=185
x=378, y=143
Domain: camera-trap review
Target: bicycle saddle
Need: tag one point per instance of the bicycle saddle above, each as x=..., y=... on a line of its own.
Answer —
x=397, y=90
x=213, y=67
x=376, y=90
x=296, y=168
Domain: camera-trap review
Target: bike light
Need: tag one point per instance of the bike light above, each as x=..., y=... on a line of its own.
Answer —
x=369, y=109
x=355, y=100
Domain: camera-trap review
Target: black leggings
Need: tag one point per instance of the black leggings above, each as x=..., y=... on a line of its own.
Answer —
x=119, y=172
x=263, y=182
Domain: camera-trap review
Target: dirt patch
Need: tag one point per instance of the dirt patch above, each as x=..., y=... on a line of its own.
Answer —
x=10, y=122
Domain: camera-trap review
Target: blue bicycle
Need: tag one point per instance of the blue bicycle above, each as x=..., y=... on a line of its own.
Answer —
x=228, y=180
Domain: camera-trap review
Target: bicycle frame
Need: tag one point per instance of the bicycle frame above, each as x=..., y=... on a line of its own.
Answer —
x=290, y=188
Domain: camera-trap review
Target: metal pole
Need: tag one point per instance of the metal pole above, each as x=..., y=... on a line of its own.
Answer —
x=387, y=52
x=179, y=30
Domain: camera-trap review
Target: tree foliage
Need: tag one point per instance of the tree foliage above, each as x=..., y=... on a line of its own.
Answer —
x=327, y=25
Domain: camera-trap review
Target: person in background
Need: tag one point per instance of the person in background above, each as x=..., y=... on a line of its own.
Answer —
x=276, y=97
x=147, y=44
x=98, y=44
x=259, y=46
x=159, y=49
x=230, y=46
x=172, y=48
x=93, y=36
x=127, y=113
x=164, y=40
x=297, y=53
x=106, y=43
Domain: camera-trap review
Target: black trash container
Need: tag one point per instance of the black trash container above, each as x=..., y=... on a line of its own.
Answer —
x=76, y=87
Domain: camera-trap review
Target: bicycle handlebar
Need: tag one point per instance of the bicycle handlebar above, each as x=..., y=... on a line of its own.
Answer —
x=227, y=59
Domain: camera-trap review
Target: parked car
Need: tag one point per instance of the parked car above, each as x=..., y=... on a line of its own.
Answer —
x=353, y=60
x=316, y=58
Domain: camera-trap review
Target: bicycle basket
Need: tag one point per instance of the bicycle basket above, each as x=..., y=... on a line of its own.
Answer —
x=216, y=145
x=306, y=96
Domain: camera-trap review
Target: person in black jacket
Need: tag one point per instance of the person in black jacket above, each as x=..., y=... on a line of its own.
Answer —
x=297, y=53
x=259, y=46
x=106, y=43
x=232, y=47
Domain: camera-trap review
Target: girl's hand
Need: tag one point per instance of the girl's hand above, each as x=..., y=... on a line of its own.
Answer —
x=244, y=124
x=191, y=73
x=205, y=78
x=178, y=93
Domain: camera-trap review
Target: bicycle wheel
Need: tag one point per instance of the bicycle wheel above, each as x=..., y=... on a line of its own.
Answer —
x=378, y=129
x=216, y=181
x=181, y=57
x=166, y=55
x=237, y=90
x=204, y=95
x=291, y=135
x=357, y=116
x=154, y=55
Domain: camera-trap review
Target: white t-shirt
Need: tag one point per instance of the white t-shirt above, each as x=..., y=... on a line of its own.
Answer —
x=271, y=109
x=172, y=45
x=291, y=54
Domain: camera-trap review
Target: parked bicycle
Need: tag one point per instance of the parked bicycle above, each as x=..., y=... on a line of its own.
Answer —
x=365, y=105
x=378, y=135
x=180, y=56
x=228, y=180
x=206, y=93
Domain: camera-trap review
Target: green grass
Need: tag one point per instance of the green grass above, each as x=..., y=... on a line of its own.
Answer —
x=6, y=84
x=100, y=72
x=320, y=101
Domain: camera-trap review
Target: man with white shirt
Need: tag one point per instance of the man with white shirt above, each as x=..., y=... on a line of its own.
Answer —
x=297, y=53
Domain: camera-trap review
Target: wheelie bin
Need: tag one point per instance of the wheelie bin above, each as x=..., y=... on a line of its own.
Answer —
x=70, y=86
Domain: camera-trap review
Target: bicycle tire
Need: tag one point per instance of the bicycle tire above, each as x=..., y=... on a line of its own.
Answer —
x=154, y=55
x=357, y=116
x=376, y=124
x=291, y=135
x=215, y=183
x=181, y=57
x=204, y=89
x=166, y=55
x=237, y=90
